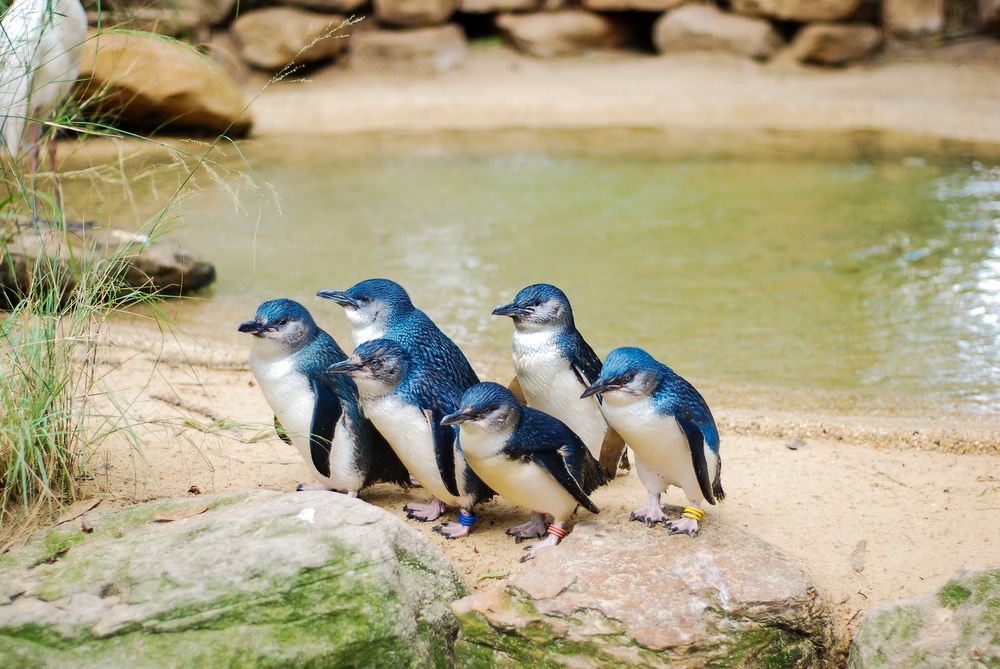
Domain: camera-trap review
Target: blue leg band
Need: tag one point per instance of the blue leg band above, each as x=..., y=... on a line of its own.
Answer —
x=467, y=520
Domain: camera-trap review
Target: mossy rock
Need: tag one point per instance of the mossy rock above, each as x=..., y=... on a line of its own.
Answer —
x=264, y=579
x=957, y=626
x=635, y=596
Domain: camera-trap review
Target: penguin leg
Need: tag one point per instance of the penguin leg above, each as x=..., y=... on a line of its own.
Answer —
x=533, y=529
x=414, y=483
x=688, y=522
x=432, y=510
x=466, y=519
x=556, y=534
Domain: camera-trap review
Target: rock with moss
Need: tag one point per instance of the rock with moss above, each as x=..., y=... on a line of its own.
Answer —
x=957, y=626
x=262, y=579
x=615, y=596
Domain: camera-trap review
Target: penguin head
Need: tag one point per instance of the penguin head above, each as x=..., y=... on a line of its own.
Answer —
x=377, y=366
x=282, y=322
x=628, y=374
x=373, y=302
x=538, y=307
x=486, y=406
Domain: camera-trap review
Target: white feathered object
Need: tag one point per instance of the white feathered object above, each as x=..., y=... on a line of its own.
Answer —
x=40, y=44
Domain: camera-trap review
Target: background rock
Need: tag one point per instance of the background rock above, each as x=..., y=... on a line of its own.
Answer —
x=168, y=17
x=270, y=38
x=562, y=33
x=414, y=13
x=705, y=28
x=632, y=5
x=163, y=266
x=151, y=82
x=259, y=579
x=495, y=6
x=642, y=597
x=913, y=18
x=958, y=627
x=835, y=43
x=335, y=6
x=799, y=10
x=989, y=14
x=419, y=51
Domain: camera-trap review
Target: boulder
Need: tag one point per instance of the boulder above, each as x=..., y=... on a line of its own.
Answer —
x=497, y=6
x=958, y=626
x=563, y=33
x=800, y=10
x=256, y=579
x=989, y=14
x=335, y=6
x=271, y=38
x=168, y=17
x=632, y=5
x=161, y=266
x=913, y=19
x=414, y=13
x=835, y=43
x=418, y=51
x=705, y=28
x=635, y=596
x=153, y=82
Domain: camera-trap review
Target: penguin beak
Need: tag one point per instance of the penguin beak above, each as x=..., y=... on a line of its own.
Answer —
x=340, y=297
x=251, y=327
x=458, y=417
x=349, y=366
x=512, y=310
x=599, y=386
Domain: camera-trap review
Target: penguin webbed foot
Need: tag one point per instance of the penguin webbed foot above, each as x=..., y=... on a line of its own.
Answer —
x=687, y=526
x=651, y=515
x=534, y=528
x=452, y=530
x=425, y=513
x=531, y=549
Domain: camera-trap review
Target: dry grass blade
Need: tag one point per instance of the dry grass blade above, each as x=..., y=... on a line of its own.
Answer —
x=77, y=509
x=180, y=515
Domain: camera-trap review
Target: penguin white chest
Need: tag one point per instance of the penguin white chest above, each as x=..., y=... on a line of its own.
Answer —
x=657, y=440
x=408, y=432
x=550, y=385
x=526, y=484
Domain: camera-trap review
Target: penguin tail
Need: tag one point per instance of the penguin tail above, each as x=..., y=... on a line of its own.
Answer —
x=717, y=490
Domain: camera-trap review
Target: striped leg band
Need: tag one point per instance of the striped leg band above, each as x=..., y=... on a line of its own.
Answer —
x=467, y=520
x=558, y=532
x=693, y=513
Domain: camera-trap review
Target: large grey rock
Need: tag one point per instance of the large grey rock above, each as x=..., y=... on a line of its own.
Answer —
x=706, y=28
x=260, y=579
x=913, y=19
x=162, y=266
x=414, y=13
x=270, y=38
x=957, y=627
x=835, y=43
x=800, y=10
x=634, y=596
x=563, y=33
x=146, y=81
x=418, y=51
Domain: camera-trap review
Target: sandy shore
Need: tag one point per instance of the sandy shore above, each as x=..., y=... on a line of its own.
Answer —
x=867, y=523
x=942, y=95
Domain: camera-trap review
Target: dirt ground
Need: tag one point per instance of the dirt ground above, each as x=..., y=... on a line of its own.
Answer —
x=871, y=509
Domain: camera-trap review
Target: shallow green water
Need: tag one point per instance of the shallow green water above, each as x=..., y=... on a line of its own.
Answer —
x=834, y=266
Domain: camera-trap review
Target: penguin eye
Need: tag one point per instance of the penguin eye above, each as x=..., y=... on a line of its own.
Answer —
x=377, y=363
x=628, y=377
x=281, y=322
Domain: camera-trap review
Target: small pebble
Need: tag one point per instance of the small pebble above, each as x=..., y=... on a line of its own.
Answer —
x=795, y=444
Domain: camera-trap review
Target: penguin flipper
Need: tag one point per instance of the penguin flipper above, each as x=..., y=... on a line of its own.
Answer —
x=279, y=430
x=326, y=413
x=444, y=449
x=696, y=442
x=386, y=465
x=612, y=450
x=555, y=464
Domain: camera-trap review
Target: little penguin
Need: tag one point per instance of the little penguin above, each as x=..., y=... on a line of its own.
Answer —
x=406, y=401
x=529, y=457
x=382, y=309
x=671, y=429
x=554, y=364
x=320, y=415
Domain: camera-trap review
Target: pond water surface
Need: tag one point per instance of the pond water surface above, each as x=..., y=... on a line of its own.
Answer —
x=831, y=266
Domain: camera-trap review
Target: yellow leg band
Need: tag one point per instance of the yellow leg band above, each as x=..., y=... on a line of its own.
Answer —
x=693, y=513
